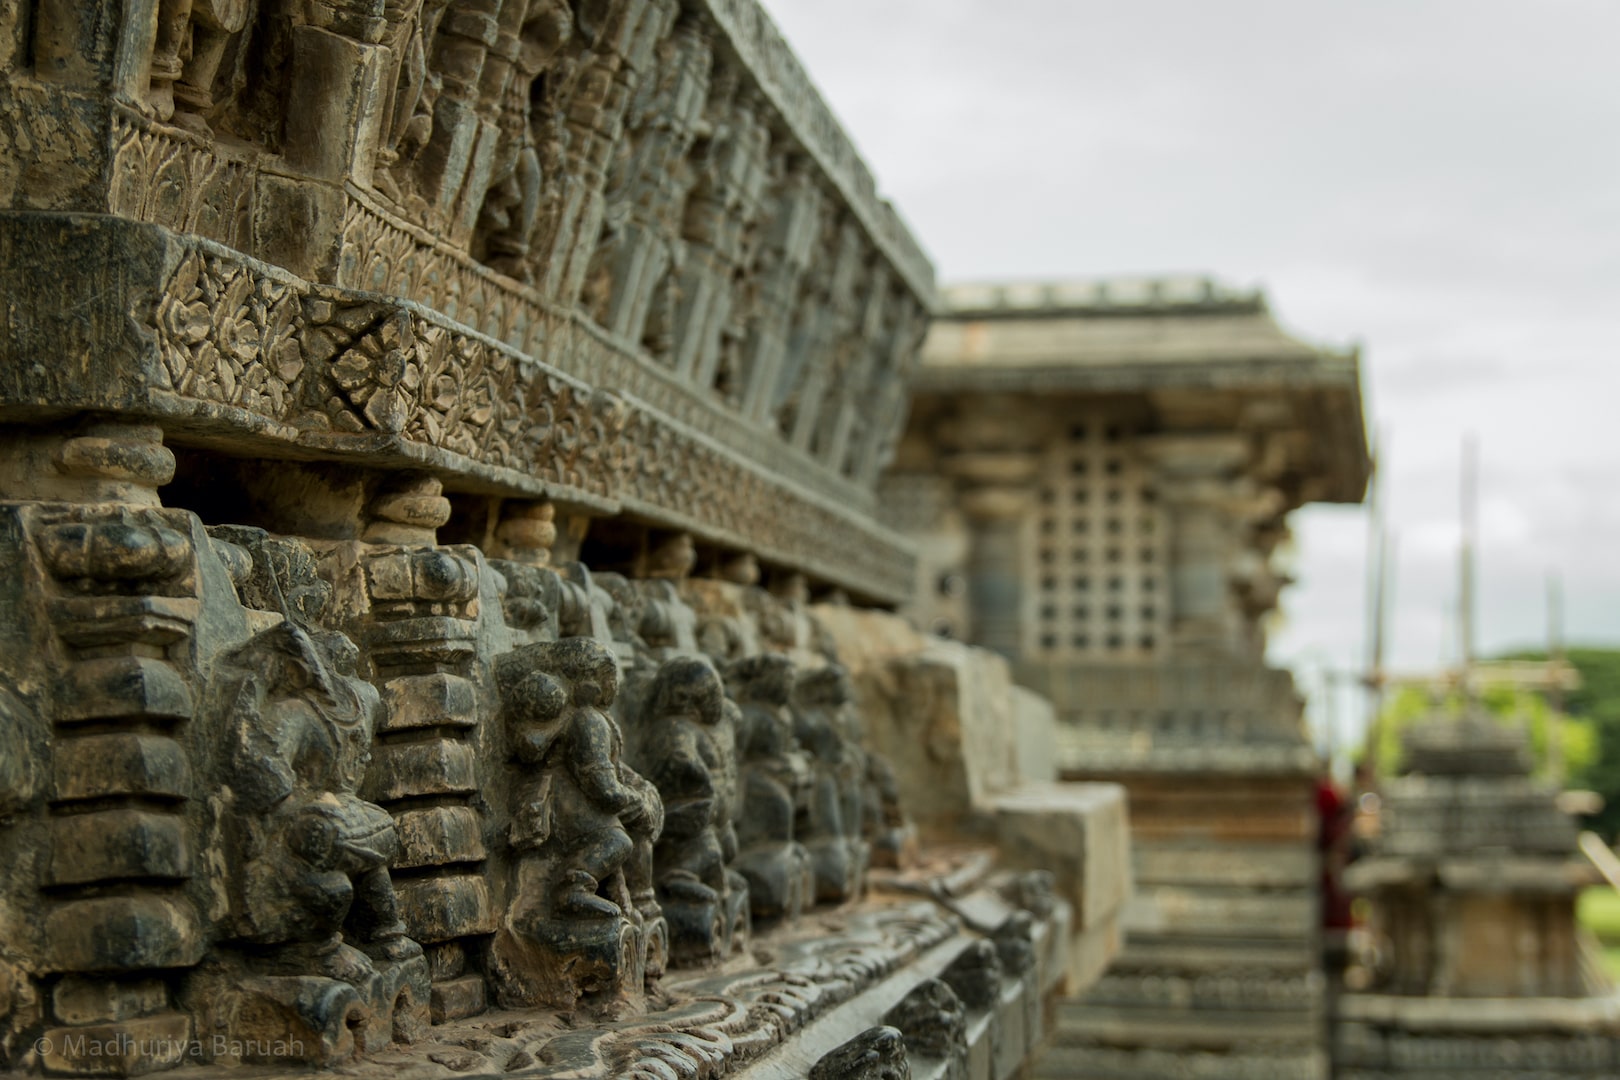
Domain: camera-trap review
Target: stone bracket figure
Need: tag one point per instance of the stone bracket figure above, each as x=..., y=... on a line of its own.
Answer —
x=775, y=782
x=826, y=724
x=322, y=957
x=686, y=745
x=572, y=928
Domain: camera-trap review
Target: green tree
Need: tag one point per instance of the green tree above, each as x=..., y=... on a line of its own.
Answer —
x=1592, y=755
x=1597, y=703
x=1522, y=708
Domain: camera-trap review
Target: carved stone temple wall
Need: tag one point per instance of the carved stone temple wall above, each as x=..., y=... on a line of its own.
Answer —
x=1481, y=968
x=438, y=442
x=1098, y=477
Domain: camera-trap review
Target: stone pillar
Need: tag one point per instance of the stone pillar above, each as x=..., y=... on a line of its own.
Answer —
x=993, y=453
x=104, y=608
x=334, y=135
x=1197, y=478
x=419, y=634
x=995, y=567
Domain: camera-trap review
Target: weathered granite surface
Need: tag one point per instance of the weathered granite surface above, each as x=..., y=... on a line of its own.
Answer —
x=953, y=728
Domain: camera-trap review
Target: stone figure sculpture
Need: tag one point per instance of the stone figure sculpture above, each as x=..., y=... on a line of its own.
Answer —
x=638, y=254
x=191, y=39
x=578, y=812
x=875, y=1054
x=775, y=782
x=307, y=858
x=829, y=825
x=890, y=836
x=535, y=34
x=687, y=748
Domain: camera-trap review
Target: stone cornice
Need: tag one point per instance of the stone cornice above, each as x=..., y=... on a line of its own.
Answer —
x=223, y=349
x=1325, y=371
x=1326, y=390
x=647, y=196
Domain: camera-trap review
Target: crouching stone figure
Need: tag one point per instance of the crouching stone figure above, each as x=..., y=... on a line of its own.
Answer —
x=316, y=952
x=775, y=785
x=572, y=927
x=686, y=742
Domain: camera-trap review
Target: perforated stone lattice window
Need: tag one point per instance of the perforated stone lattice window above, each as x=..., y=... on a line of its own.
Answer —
x=1097, y=546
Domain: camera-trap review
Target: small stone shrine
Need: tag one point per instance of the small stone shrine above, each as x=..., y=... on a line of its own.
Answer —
x=438, y=442
x=1098, y=476
x=1481, y=969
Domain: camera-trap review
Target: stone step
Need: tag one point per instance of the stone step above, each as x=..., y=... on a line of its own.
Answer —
x=1220, y=913
x=1060, y=1062
x=1079, y=1022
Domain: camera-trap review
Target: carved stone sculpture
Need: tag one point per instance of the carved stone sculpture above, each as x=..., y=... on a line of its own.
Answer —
x=830, y=825
x=100, y=877
x=533, y=33
x=665, y=621
x=875, y=1054
x=521, y=547
x=638, y=255
x=191, y=40
x=573, y=927
x=415, y=608
x=934, y=1024
x=686, y=746
x=1033, y=891
x=775, y=784
x=891, y=837
x=726, y=628
x=526, y=532
x=307, y=875
x=976, y=976
x=1015, y=945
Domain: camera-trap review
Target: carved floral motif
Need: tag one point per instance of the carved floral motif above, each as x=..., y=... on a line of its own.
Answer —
x=231, y=336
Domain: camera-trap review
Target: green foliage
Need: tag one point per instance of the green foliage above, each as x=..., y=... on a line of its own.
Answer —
x=1410, y=705
x=1591, y=727
x=1597, y=703
x=1598, y=909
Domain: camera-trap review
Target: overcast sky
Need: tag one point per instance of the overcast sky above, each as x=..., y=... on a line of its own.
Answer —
x=1438, y=180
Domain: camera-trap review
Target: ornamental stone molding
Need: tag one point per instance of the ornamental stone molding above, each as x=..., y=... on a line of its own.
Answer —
x=619, y=255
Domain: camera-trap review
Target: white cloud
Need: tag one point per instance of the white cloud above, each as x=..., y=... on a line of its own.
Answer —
x=1440, y=181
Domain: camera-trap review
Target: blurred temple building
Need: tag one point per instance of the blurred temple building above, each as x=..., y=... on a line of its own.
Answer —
x=1098, y=476
x=1471, y=886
